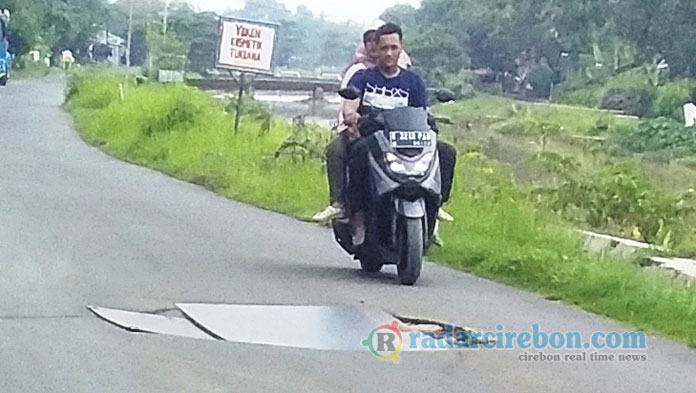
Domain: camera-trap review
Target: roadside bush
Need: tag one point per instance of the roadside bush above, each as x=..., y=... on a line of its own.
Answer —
x=528, y=125
x=616, y=199
x=97, y=83
x=179, y=112
x=578, y=90
x=541, y=79
x=634, y=101
x=306, y=142
x=661, y=134
x=634, y=92
x=671, y=98
x=254, y=109
x=94, y=92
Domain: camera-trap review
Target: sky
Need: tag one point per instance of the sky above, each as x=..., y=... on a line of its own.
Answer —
x=357, y=10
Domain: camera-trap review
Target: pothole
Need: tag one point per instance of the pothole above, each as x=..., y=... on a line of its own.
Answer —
x=341, y=328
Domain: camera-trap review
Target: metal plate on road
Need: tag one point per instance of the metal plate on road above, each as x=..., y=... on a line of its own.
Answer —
x=150, y=323
x=309, y=327
x=337, y=328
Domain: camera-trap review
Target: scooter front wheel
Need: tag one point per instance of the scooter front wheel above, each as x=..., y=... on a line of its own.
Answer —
x=411, y=251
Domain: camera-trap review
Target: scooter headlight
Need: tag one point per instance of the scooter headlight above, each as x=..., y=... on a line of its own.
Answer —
x=391, y=157
x=397, y=167
x=424, y=163
x=395, y=164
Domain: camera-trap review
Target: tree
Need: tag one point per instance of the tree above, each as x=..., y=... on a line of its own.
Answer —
x=264, y=10
x=166, y=51
x=27, y=28
x=73, y=24
x=58, y=24
x=401, y=14
x=199, y=32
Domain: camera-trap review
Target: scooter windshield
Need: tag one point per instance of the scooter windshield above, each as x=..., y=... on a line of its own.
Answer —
x=406, y=119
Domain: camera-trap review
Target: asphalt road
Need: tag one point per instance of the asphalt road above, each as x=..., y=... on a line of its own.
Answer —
x=80, y=228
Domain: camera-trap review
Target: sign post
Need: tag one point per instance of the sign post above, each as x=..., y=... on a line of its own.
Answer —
x=245, y=46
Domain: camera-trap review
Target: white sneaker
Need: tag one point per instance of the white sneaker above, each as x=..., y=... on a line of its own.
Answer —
x=331, y=212
x=444, y=216
x=437, y=240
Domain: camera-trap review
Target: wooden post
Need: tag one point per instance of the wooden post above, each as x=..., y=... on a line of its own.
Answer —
x=244, y=84
x=240, y=96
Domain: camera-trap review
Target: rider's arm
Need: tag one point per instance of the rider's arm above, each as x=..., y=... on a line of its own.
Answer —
x=351, y=108
x=351, y=113
x=419, y=96
x=346, y=105
x=419, y=99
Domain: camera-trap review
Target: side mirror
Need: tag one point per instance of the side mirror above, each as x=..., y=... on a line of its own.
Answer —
x=349, y=93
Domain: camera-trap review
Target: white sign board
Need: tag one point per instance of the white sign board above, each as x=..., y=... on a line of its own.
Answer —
x=245, y=45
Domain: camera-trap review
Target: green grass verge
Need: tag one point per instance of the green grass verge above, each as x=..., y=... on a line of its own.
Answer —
x=498, y=234
x=515, y=133
x=571, y=120
x=33, y=71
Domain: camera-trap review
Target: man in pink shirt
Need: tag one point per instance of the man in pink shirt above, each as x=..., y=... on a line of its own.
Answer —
x=337, y=151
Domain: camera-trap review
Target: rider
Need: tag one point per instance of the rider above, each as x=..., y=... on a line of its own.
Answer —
x=337, y=150
x=385, y=87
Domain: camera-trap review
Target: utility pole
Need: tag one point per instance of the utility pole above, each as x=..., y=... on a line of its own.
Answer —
x=130, y=34
x=166, y=17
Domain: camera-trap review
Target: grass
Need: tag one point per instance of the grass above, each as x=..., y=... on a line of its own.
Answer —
x=498, y=233
x=483, y=116
x=33, y=71
x=490, y=109
x=201, y=148
x=513, y=133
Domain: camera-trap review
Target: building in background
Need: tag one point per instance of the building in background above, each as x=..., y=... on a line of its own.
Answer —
x=109, y=48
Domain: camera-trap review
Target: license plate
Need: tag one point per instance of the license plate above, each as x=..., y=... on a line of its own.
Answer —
x=410, y=139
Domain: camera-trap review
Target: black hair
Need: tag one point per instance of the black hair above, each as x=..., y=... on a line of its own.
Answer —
x=367, y=34
x=388, y=29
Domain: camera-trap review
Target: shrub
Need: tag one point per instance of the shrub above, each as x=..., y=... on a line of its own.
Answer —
x=94, y=92
x=306, y=142
x=541, y=79
x=671, y=98
x=179, y=113
x=615, y=198
x=661, y=134
x=636, y=101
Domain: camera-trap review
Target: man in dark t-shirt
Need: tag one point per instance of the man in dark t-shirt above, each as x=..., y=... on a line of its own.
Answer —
x=384, y=87
x=382, y=92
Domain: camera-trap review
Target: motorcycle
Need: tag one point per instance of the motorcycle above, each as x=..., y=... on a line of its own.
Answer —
x=404, y=197
x=4, y=54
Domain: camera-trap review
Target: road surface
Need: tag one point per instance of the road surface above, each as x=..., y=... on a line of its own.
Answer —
x=80, y=228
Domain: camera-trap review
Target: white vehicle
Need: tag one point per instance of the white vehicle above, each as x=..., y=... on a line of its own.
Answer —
x=330, y=76
x=290, y=74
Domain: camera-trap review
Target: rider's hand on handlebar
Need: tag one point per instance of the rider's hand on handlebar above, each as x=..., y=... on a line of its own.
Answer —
x=352, y=133
x=352, y=119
